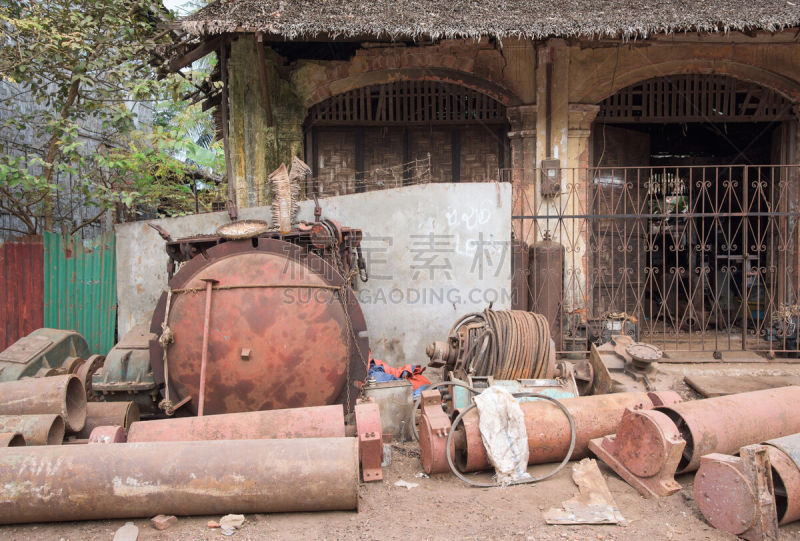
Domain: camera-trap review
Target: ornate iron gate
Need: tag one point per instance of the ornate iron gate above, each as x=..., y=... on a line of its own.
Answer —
x=698, y=258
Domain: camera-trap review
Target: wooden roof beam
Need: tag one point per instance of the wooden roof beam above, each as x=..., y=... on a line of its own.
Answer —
x=205, y=48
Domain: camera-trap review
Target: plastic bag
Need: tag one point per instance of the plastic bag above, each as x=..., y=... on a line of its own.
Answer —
x=502, y=426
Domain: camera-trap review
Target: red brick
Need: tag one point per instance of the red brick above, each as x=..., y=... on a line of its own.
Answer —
x=162, y=522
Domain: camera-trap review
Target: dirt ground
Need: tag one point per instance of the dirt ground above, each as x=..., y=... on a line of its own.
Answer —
x=443, y=507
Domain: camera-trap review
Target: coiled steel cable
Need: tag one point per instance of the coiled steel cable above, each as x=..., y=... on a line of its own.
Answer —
x=572, y=431
x=418, y=401
x=511, y=344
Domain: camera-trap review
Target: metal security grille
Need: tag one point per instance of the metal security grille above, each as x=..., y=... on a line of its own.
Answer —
x=698, y=258
x=694, y=98
x=406, y=102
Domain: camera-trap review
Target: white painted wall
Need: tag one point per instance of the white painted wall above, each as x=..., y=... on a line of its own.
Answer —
x=434, y=252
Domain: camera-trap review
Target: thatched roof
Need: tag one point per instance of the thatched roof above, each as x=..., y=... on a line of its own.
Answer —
x=535, y=19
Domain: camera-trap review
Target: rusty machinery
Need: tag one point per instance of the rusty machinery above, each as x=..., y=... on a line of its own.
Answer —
x=505, y=344
x=43, y=352
x=650, y=447
x=750, y=495
x=273, y=314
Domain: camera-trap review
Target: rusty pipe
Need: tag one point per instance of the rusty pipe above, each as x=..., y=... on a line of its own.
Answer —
x=44, y=429
x=650, y=447
x=128, y=480
x=315, y=422
x=725, y=423
x=784, y=455
x=727, y=490
x=201, y=400
x=62, y=395
x=11, y=439
x=549, y=431
x=122, y=414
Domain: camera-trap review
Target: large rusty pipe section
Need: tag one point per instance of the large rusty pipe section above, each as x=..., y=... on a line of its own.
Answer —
x=727, y=490
x=313, y=422
x=122, y=414
x=726, y=423
x=548, y=428
x=650, y=447
x=45, y=429
x=11, y=439
x=128, y=480
x=62, y=395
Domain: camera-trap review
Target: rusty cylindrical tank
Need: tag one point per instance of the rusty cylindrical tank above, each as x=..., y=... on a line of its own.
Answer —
x=126, y=480
x=43, y=429
x=546, y=283
x=12, y=439
x=316, y=422
x=285, y=330
x=109, y=414
x=63, y=395
x=548, y=428
x=725, y=423
x=726, y=490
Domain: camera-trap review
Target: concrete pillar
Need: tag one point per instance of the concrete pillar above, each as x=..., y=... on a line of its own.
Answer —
x=575, y=203
x=522, y=137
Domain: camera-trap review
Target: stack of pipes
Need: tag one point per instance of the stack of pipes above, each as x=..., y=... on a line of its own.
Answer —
x=254, y=462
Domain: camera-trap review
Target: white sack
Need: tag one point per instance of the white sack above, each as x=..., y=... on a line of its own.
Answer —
x=502, y=426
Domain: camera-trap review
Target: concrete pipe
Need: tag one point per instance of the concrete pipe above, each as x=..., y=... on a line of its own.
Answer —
x=547, y=428
x=122, y=414
x=62, y=395
x=11, y=439
x=313, y=422
x=128, y=480
x=46, y=429
x=650, y=447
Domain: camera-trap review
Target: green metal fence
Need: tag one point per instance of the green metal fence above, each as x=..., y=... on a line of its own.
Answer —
x=80, y=290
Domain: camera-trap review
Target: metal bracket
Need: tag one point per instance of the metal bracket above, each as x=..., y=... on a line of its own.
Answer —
x=736, y=494
x=645, y=452
x=434, y=426
x=370, y=439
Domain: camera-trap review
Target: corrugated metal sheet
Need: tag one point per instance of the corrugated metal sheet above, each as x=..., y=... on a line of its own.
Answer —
x=21, y=289
x=80, y=287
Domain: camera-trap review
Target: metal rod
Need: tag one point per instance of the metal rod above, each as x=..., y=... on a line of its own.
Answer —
x=204, y=359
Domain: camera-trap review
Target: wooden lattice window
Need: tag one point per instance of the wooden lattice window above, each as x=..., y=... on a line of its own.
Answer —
x=409, y=102
x=695, y=98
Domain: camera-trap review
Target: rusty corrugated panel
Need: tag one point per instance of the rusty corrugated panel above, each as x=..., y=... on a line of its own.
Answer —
x=80, y=287
x=21, y=289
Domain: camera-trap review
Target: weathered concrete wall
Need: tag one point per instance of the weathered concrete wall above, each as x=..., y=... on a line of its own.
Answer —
x=434, y=253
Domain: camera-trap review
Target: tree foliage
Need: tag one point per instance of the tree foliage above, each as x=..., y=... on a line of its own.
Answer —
x=83, y=102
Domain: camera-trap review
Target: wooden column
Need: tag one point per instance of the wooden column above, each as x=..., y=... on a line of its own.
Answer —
x=247, y=125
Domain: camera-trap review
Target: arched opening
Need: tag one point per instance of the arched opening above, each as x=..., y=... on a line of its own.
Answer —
x=691, y=234
x=405, y=132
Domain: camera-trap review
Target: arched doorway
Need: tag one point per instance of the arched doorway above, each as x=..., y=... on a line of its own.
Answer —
x=692, y=234
x=403, y=132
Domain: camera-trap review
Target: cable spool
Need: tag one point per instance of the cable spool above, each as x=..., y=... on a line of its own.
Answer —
x=505, y=344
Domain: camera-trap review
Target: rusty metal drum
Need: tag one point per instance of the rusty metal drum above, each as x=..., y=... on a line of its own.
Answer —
x=285, y=330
